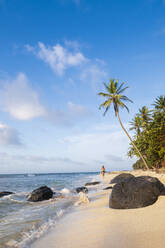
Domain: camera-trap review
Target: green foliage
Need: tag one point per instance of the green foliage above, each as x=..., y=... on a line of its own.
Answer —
x=151, y=138
x=138, y=165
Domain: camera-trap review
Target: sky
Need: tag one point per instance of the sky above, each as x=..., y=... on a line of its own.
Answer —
x=54, y=57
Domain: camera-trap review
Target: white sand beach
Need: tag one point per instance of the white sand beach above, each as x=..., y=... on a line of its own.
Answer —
x=95, y=225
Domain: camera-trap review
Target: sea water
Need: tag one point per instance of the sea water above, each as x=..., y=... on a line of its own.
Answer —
x=22, y=222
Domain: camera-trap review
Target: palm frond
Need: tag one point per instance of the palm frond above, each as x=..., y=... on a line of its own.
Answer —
x=121, y=85
x=124, y=106
x=106, y=103
x=126, y=99
x=106, y=110
x=106, y=86
x=122, y=90
x=103, y=94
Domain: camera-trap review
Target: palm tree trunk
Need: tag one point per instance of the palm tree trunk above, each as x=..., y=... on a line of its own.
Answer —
x=117, y=114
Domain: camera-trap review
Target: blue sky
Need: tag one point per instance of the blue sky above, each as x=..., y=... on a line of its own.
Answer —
x=54, y=56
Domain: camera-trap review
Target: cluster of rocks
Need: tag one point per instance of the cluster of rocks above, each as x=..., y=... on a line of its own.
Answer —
x=45, y=193
x=134, y=192
x=128, y=192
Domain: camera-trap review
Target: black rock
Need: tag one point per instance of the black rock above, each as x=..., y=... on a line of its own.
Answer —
x=109, y=187
x=136, y=192
x=81, y=189
x=122, y=177
x=40, y=194
x=91, y=183
x=4, y=193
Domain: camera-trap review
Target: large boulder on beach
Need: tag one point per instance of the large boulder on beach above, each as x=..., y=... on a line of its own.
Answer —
x=136, y=192
x=121, y=178
x=5, y=193
x=40, y=194
x=81, y=189
x=92, y=183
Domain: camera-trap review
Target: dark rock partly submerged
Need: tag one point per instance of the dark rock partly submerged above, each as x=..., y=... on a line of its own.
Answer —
x=109, y=187
x=136, y=192
x=121, y=178
x=81, y=189
x=92, y=183
x=40, y=194
x=5, y=193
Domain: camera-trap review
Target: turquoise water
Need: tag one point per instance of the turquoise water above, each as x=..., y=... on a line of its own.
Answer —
x=21, y=222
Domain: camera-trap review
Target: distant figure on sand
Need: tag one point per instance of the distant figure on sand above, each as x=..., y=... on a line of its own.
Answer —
x=102, y=170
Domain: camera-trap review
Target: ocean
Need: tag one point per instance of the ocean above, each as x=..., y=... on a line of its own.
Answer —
x=22, y=222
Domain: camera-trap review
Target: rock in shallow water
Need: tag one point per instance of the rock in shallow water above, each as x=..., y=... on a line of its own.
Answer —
x=81, y=189
x=40, y=194
x=109, y=187
x=136, y=192
x=5, y=193
x=92, y=183
x=121, y=178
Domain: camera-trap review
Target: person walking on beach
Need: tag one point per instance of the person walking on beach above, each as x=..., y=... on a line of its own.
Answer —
x=102, y=170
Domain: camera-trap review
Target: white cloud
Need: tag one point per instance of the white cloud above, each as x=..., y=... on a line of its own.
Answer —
x=72, y=44
x=29, y=48
x=19, y=99
x=9, y=136
x=73, y=114
x=62, y=57
x=77, y=109
x=37, y=164
x=57, y=57
x=95, y=74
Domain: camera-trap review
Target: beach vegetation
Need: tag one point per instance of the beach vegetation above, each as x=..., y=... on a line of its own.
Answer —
x=150, y=135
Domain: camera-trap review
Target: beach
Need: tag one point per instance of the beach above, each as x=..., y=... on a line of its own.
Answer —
x=95, y=225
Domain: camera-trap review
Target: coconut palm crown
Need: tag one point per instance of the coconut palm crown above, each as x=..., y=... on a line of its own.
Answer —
x=145, y=115
x=136, y=124
x=159, y=104
x=115, y=97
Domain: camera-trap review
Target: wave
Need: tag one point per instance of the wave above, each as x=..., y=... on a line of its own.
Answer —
x=35, y=232
x=65, y=191
x=26, y=221
x=32, y=235
x=31, y=175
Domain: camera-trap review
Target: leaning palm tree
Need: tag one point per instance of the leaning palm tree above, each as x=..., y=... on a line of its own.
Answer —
x=159, y=104
x=114, y=96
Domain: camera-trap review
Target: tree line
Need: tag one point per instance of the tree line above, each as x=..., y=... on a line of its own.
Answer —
x=149, y=127
x=148, y=143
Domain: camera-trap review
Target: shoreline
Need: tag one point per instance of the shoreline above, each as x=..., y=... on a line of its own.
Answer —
x=95, y=225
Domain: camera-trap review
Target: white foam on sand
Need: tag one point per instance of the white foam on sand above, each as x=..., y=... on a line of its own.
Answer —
x=83, y=199
x=65, y=191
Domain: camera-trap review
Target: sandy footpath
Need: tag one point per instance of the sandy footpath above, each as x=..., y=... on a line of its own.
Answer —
x=95, y=225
